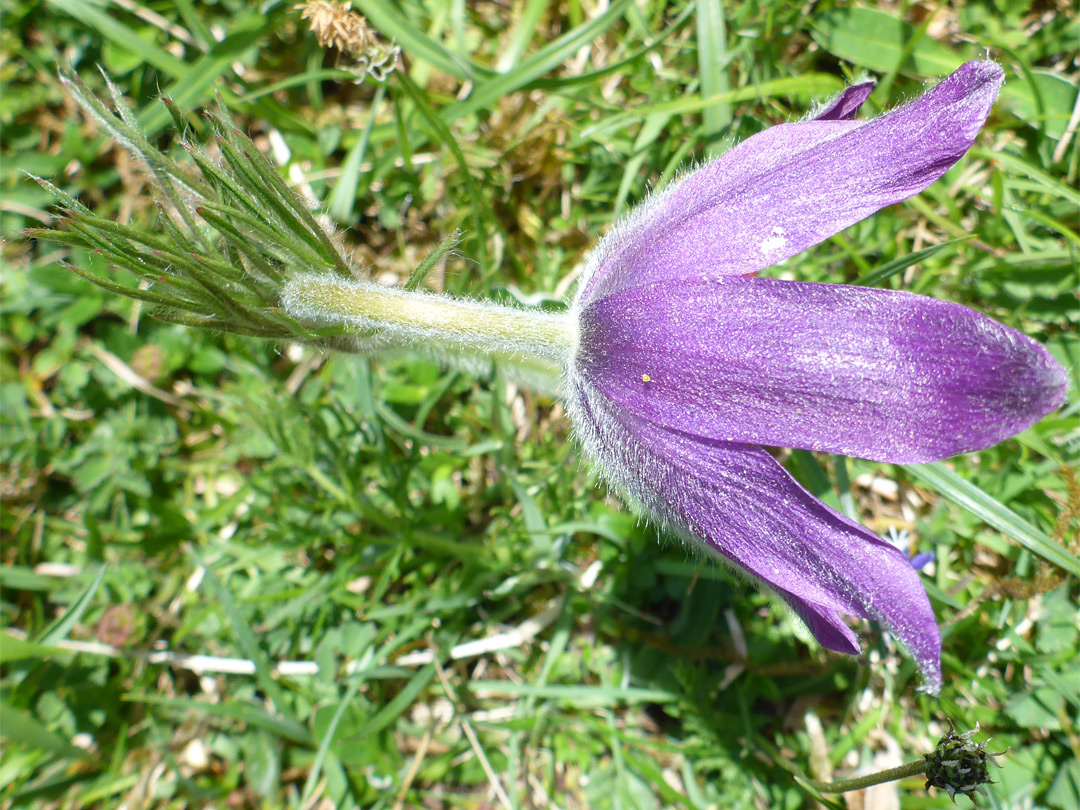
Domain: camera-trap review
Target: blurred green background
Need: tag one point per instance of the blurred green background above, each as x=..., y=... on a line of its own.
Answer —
x=170, y=493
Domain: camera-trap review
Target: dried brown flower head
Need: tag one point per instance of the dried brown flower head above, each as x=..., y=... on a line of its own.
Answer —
x=337, y=26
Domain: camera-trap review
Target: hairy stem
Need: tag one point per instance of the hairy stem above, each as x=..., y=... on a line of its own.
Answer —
x=401, y=318
x=860, y=782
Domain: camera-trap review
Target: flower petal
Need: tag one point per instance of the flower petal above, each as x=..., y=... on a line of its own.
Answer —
x=846, y=104
x=825, y=625
x=922, y=559
x=878, y=374
x=790, y=187
x=742, y=506
x=648, y=245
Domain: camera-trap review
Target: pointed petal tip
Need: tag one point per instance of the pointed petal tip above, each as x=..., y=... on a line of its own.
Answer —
x=1033, y=384
x=926, y=654
x=931, y=686
x=974, y=88
x=918, y=636
x=1052, y=387
x=975, y=80
x=1029, y=386
x=982, y=70
x=1057, y=384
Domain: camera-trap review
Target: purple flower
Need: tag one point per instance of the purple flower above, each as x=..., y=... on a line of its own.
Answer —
x=922, y=559
x=685, y=361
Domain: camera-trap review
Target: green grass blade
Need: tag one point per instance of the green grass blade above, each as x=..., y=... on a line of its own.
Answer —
x=245, y=638
x=712, y=64
x=1051, y=184
x=899, y=265
x=244, y=712
x=59, y=629
x=808, y=85
x=993, y=512
x=1048, y=221
x=879, y=41
x=325, y=75
x=312, y=780
x=13, y=648
x=190, y=15
x=524, y=31
x=111, y=29
x=450, y=142
x=583, y=695
x=542, y=62
x=647, y=769
x=1044, y=98
x=19, y=727
x=396, y=707
x=343, y=196
x=198, y=82
x=592, y=77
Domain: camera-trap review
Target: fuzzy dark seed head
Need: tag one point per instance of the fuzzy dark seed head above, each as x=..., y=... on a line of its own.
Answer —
x=959, y=765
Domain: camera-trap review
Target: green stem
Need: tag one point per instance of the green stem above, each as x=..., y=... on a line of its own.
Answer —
x=537, y=344
x=860, y=782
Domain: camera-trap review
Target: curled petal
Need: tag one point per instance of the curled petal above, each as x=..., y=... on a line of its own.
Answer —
x=846, y=104
x=790, y=187
x=742, y=506
x=878, y=374
x=826, y=625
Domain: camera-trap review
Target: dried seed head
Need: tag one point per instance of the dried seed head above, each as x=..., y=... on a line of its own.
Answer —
x=337, y=26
